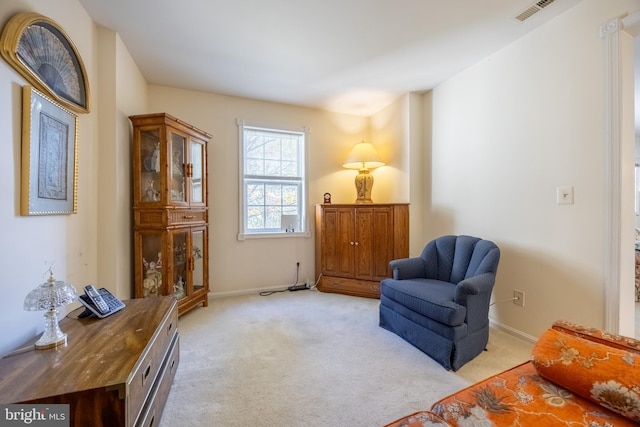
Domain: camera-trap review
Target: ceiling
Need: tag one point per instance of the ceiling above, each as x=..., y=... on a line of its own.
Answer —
x=348, y=56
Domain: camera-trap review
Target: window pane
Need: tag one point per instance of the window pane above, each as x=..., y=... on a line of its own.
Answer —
x=255, y=194
x=255, y=217
x=290, y=195
x=273, y=214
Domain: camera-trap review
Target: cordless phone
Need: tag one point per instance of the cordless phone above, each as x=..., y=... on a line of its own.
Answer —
x=93, y=294
x=100, y=302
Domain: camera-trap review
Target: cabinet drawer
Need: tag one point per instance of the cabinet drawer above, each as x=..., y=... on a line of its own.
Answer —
x=143, y=377
x=362, y=288
x=152, y=412
x=162, y=218
x=187, y=216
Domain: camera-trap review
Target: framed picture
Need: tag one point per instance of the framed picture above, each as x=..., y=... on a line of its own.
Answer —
x=49, y=156
x=39, y=49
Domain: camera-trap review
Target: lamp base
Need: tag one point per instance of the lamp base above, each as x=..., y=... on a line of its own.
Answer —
x=364, y=184
x=52, y=335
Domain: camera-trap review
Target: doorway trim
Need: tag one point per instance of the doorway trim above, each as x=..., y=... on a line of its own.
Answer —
x=613, y=33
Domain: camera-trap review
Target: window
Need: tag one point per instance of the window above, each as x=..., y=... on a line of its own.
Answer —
x=273, y=182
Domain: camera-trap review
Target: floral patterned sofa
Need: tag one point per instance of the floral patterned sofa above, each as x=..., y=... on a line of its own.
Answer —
x=577, y=376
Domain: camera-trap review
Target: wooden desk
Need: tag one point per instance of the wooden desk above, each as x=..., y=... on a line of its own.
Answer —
x=115, y=371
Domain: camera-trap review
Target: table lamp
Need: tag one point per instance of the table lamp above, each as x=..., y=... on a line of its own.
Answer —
x=49, y=296
x=363, y=157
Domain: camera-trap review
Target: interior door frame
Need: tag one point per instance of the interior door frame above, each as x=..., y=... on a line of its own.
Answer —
x=618, y=34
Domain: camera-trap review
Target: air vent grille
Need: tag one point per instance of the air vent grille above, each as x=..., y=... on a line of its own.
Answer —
x=533, y=9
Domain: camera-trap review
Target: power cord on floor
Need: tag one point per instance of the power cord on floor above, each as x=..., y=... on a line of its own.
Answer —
x=295, y=286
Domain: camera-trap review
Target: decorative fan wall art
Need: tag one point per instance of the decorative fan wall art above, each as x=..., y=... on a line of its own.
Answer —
x=40, y=50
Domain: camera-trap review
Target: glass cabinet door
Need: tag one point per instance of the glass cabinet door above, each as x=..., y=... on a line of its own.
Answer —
x=198, y=253
x=177, y=168
x=180, y=263
x=198, y=173
x=152, y=268
x=150, y=165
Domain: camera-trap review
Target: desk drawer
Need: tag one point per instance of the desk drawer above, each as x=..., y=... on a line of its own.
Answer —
x=152, y=411
x=144, y=376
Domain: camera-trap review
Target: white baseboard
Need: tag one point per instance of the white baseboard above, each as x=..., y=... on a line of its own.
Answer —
x=512, y=331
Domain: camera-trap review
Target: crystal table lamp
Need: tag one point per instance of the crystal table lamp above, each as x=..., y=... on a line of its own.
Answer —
x=49, y=296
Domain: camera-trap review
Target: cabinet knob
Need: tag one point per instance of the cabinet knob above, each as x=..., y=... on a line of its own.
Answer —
x=356, y=243
x=351, y=243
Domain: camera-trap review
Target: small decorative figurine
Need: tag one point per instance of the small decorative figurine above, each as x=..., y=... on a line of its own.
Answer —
x=155, y=158
x=152, y=281
x=327, y=198
x=178, y=288
x=151, y=195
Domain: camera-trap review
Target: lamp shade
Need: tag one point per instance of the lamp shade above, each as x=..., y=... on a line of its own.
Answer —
x=51, y=294
x=363, y=156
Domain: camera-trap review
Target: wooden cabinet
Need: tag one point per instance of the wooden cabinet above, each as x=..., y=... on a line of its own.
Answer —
x=354, y=244
x=115, y=371
x=170, y=209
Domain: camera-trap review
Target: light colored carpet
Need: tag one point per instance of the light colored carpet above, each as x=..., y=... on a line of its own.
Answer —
x=308, y=359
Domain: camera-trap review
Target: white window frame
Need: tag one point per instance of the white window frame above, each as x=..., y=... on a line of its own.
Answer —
x=243, y=231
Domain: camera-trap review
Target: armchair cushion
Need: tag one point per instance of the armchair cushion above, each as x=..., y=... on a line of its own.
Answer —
x=427, y=296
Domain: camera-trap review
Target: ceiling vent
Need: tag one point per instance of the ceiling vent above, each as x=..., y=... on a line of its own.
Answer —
x=532, y=10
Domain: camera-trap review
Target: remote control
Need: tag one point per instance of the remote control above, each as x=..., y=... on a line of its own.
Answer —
x=93, y=294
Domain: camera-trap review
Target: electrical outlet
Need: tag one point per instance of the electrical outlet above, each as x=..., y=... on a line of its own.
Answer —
x=518, y=298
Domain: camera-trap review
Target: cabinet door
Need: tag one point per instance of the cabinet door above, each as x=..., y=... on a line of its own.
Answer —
x=199, y=273
x=149, y=155
x=197, y=172
x=338, y=241
x=178, y=244
x=150, y=262
x=177, y=173
x=382, y=252
x=364, y=243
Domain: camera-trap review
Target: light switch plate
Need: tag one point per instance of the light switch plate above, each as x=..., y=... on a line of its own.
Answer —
x=564, y=195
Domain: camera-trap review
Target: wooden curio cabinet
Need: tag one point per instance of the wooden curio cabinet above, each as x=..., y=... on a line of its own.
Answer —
x=170, y=210
x=354, y=244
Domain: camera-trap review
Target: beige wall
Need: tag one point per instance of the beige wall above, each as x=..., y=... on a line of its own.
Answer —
x=247, y=266
x=33, y=244
x=123, y=92
x=506, y=133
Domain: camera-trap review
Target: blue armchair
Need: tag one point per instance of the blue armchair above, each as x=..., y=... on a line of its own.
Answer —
x=439, y=301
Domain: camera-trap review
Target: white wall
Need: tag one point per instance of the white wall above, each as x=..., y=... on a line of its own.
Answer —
x=506, y=133
x=247, y=266
x=124, y=92
x=93, y=245
x=33, y=244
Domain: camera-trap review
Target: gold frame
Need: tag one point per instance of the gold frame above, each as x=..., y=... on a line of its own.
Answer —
x=39, y=49
x=49, y=156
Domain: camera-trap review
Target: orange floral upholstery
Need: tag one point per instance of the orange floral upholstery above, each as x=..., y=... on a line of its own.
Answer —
x=598, y=335
x=520, y=397
x=604, y=374
x=578, y=376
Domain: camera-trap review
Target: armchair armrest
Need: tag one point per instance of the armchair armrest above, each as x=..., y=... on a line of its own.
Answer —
x=408, y=268
x=474, y=286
